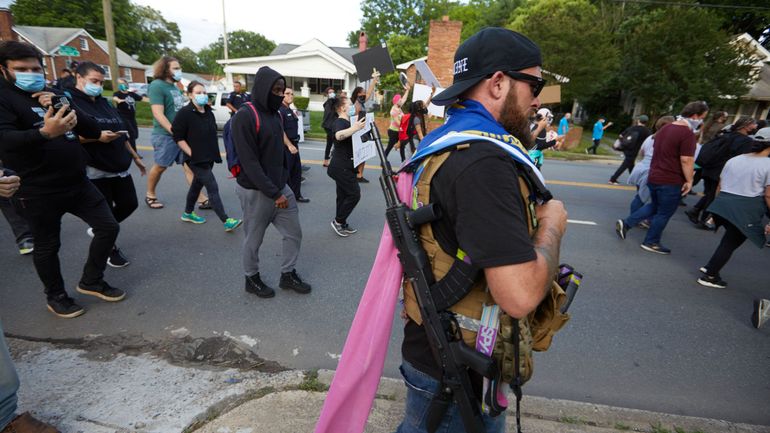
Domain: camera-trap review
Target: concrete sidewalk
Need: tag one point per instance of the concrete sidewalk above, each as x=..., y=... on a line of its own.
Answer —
x=111, y=385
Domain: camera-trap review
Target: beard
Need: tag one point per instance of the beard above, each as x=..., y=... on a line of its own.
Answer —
x=514, y=121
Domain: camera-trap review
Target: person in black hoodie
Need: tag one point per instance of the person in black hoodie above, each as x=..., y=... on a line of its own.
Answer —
x=37, y=142
x=262, y=189
x=110, y=155
x=632, y=139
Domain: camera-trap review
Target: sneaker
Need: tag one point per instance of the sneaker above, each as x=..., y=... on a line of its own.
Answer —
x=301, y=199
x=644, y=225
x=65, y=307
x=693, y=215
x=612, y=182
x=761, y=312
x=90, y=232
x=349, y=230
x=703, y=270
x=116, y=259
x=232, y=224
x=712, y=281
x=621, y=229
x=26, y=423
x=302, y=179
x=339, y=229
x=305, y=167
x=655, y=248
x=767, y=244
x=103, y=291
x=26, y=246
x=193, y=218
x=362, y=180
x=291, y=281
x=255, y=286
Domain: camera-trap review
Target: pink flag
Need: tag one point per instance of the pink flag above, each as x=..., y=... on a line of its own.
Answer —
x=354, y=386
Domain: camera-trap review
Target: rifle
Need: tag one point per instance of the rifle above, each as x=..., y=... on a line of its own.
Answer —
x=452, y=355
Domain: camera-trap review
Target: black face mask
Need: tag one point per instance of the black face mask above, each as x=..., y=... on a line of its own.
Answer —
x=424, y=111
x=274, y=101
x=362, y=99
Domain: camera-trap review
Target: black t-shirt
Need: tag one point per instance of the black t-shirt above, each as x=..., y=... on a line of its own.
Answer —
x=478, y=192
x=342, y=155
x=238, y=99
x=128, y=106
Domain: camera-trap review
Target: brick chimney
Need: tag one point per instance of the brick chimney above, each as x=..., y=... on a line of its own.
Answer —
x=443, y=40
x=6, y=26
x=362, y=40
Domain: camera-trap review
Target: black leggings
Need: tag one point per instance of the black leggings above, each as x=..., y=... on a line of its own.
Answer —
x=628, y=164
x=730, y=242
x=295, y=172
x=348, y=191
x=120, y=195
x=329, y=142
x=709, y=194
x=203, y=176
x=392, y=140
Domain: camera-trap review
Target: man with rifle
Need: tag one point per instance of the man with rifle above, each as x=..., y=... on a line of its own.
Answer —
x=480, y=245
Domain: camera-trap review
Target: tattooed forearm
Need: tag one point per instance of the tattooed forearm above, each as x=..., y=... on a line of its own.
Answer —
x=547, y=245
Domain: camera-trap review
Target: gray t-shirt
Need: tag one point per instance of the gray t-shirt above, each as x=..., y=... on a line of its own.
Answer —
x=746, y=175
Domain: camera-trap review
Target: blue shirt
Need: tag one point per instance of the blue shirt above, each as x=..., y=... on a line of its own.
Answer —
x=563, y=126
x=598, y=130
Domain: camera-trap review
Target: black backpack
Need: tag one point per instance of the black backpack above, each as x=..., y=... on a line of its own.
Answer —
x=628, y=141
x=716, y=152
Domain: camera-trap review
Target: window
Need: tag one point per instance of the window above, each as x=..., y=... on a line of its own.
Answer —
x=127, y=74
x=84, y=44
x=107, y=75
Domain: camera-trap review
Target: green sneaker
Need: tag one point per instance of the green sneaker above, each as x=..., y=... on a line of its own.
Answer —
x=193, y=218
x=232, y=224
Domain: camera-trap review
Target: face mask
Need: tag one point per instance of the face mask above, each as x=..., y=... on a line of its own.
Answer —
x=332, y=95
x=274, y=102
x=177, y=75
x=352, y=111
x=30, y=81
x=122, y=87
x=362, y=99
x=694, y=123
x=201, y=99
x=92, y=89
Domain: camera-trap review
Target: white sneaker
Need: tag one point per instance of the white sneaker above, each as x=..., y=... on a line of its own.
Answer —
x=90, y=231
x=761, y=312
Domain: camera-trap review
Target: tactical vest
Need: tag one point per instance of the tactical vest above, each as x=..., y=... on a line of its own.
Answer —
x=536, y=330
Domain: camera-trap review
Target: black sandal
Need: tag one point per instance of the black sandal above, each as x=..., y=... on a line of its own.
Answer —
x=153, y=203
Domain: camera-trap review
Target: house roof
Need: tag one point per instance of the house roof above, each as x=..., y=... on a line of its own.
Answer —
x=346, y=52
x=760, y=91
x=48, y=40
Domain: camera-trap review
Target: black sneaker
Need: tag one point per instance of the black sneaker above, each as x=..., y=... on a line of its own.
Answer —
x=349, y=230
x=65, y=307
x=621, y=229
x=305, y=167
x=362, y=180
x=712, y=281
x=302, y=179
x=103, y=291
x=693, y=215
x=255, y=286
x=116, y=259
x=301, y=199
x=339, y=229
x=291, y=281
x=655, y=248
x=26, y=247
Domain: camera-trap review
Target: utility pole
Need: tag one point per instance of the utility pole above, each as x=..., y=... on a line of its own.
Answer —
x=224, y=27
x=109, y=29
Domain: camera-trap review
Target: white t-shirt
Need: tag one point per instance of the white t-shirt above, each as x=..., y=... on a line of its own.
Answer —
x=746, y=175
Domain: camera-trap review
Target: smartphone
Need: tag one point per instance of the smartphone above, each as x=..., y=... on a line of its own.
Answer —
x=59, y=101
x=361, y=115
x=122, y=132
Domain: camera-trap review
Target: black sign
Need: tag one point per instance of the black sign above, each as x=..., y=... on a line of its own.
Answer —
x=376, y=58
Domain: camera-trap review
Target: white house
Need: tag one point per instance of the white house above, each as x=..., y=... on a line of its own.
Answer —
x=308, y=68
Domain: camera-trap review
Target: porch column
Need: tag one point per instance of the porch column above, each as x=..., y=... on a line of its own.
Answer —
x=305, y=89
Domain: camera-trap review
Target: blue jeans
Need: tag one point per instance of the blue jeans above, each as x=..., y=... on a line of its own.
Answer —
x=9, y=384
x=664, y=202
x=420, y=389
x=637, y=202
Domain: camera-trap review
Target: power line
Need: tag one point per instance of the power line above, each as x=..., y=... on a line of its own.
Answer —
x=700, y=5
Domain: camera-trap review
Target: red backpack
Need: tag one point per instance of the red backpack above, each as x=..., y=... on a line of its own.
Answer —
x=406, y=129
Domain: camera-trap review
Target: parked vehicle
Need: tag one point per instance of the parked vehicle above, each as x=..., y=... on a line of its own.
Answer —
x=218, y=102
x=138, y=88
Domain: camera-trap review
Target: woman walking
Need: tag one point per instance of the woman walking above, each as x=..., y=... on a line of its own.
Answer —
x=341, y=167
x=358, y=99
x=743, y=201
x=125, y=101
x=195, y=131
x=395, y=123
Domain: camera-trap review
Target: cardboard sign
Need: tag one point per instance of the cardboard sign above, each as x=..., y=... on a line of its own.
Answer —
x=426, y=74
x=376, y=58
x=363, y=150
x=422, y=92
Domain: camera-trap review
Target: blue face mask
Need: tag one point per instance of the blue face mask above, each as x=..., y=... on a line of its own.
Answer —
x=177, y=75
x=122, y=87
x=332, y=95
x=201, y=99
x=92, y=89
x=352, y=111
x=30, y=81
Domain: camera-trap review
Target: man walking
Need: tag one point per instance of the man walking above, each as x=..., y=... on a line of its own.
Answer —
x=37, y=141
x=265, y=197
x=671, y=173
x=291, y=129
x=564, y=125
x=631, y=140
x=598, y=133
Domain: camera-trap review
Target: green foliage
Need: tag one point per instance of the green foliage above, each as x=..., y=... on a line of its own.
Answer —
x=477, y=14
x=410, y=18
x=667, y=67
x=188, y=60
x=574, y=43
x=240, y=43
x=301, y=102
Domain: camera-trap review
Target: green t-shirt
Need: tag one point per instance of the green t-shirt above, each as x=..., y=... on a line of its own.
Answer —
x=161, y=92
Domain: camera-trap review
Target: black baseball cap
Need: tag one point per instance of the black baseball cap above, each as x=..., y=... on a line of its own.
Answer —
x=488, y=51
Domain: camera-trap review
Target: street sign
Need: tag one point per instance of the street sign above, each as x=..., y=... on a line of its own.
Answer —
x=66, y=50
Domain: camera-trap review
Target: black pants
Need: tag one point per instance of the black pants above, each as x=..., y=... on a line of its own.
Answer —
x=204, y=177
x=595, y=146
x=709, y=194
x=348, y=191
x=732, y=239
x=295, y=172
x=392, y=140
x=44, y=214
x=329, y=142
x=19, y=227
x=120, y=195
x=628, y=164
x=133, y=129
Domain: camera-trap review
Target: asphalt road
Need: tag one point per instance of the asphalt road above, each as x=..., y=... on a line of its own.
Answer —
x=643, y=333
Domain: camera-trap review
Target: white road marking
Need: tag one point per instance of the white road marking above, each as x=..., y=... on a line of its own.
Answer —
x=585, y=223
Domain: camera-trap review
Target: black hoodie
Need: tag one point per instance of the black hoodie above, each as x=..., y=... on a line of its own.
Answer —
x=262, y=157
x=45, y=166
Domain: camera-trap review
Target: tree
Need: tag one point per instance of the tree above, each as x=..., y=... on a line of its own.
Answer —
x=188, y=60
x=385, y=18
x=240, y=43
x=666, y=66
x=573, y=41
x=156, y=36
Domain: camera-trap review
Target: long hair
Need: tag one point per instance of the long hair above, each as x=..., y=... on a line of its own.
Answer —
x=161, y=68
x=418, y=110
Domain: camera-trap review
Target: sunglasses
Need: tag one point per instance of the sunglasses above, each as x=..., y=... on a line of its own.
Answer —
x=535, y=83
